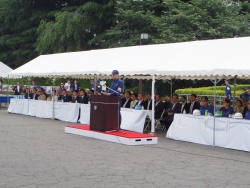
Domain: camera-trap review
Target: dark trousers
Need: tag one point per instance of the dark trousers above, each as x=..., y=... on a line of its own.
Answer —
x=167, y=121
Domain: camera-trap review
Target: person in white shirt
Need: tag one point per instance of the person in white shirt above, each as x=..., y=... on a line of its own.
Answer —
x=184, y=105
x=67, y=85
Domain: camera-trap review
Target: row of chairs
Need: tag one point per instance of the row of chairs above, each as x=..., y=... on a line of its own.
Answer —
x=158, y=125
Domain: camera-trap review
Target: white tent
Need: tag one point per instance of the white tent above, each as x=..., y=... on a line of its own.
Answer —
x=209, y=59
x=187, y=60
x=4, y=70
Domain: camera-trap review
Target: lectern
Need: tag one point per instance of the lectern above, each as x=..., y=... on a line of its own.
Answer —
x=104, y=113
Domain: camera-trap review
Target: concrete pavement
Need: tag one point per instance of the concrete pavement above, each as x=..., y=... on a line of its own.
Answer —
x=37, y=153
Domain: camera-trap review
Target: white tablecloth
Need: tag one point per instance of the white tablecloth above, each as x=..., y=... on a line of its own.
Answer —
x=44, y=109
x=85, y=114
x=229, y=133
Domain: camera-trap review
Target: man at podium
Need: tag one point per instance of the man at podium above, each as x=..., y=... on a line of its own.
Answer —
x=116, y=88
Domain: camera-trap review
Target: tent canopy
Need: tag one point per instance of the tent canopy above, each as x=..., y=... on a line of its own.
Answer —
x=187, y=60
x=4, y=70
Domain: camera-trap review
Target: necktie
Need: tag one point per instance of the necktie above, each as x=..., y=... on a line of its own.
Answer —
x=191, y=108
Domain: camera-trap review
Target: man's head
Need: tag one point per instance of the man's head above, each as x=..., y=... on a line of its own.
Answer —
x=27, y=90
x=248, y=104
x=192, y=97
x=64, y=91
x=212, y=101
x=183, y=99
x=18, y=83
x=204, y=101
x=41, y=91
x=35, y=90
x=239, y=103
x=167, y=99
x=140, y=97
x=75, y=93
x=33, y=82
x=97, y=82
x=226, y=103
x=82, y=92
x=128, y=94
x=199, y=99
x=75, y=81
x=115, y=74
x=61, y=85
x=157, y=97
x=92, y=82
x=246, y=90
x=68, y=81
x=175, y=98
x=226, y=82
x=149, y=97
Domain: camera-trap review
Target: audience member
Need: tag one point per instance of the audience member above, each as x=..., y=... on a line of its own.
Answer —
x=83, y=97
x=61, y=87
x=70, y=97
x=205, y=106
x=247, y=116
x=167, y=104
x=42, y=96
x=28, y=95
x=134, y=101
x=17, y=89
x=141, y=102
x=159, y=106
x=75, y=98
x=227, y=90
x=53, y=96
x=184, y=105
x=127, y=100
x=226, y=110
x=239, y=106
x=65, y=96
x=35, y=94
x=193, y=105
x=33, y=84
x=92, y=85
x=148, y=102
x=199, y=99
x=212, y=104
x=176, y=108
x=67, y=85
x=98, y=86
x=245, y=95
x=75, y=86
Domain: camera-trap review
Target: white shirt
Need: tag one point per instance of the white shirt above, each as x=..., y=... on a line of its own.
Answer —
x=126, y=102
x=182, y=106
x=67, y=86
x=18, y=88
x=149, y=101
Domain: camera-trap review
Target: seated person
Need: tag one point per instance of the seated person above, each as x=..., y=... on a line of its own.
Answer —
x=126, y=101
x=184, y=105
x=70, y=97
x=65, y=96
x=141, y=102
x=134, y=101
x=193, y=105
x=176, y=108
x=167, y=106
x=53, y=96
x=159, y=106
x=82, y=98
x=35, y=94
x=28, y=95
x=247, y=116
x=75, y=97
x=148, y=102
x=212, y=104
x=205, y=106
x=42, y=96
x=226, y=110
x=239, y=106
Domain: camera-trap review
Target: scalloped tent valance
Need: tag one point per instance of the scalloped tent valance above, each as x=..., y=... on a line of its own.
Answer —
x=187, y=60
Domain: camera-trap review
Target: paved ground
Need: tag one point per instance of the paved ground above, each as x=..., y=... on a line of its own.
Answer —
x=37, y=153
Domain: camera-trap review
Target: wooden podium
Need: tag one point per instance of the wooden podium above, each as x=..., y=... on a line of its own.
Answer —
x=104, y=113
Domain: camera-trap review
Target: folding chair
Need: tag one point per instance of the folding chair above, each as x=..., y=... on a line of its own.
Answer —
x=157, y=122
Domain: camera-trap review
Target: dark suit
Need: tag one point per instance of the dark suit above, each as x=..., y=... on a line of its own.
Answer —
x=159, y=109
x=196, y=106
x=75, y=87
x=176, y=109
x=83, y=100
x=146, y=105
x=30, y=96
x=127, y=105
x=185, y=107
x=66, y=98
x=142, y=103
x=16, y=91
x=75, y=99
x=35, y=96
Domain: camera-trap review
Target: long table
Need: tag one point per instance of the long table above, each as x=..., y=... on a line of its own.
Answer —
x=132, y=120
x=229, y=133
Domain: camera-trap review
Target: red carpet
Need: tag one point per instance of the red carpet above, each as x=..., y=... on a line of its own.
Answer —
x=121, y=133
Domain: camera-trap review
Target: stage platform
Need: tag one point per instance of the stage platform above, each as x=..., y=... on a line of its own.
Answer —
x=120, y=137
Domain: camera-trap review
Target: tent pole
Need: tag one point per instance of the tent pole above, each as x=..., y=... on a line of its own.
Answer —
x=171, y=88
x=234, y=90
x=28, y=94
x=53, y=100
x=215, y=82
x=8, y=97
x=153, y=106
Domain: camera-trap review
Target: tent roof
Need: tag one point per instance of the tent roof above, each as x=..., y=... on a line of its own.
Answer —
x=187, y=60
x=4, y=70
